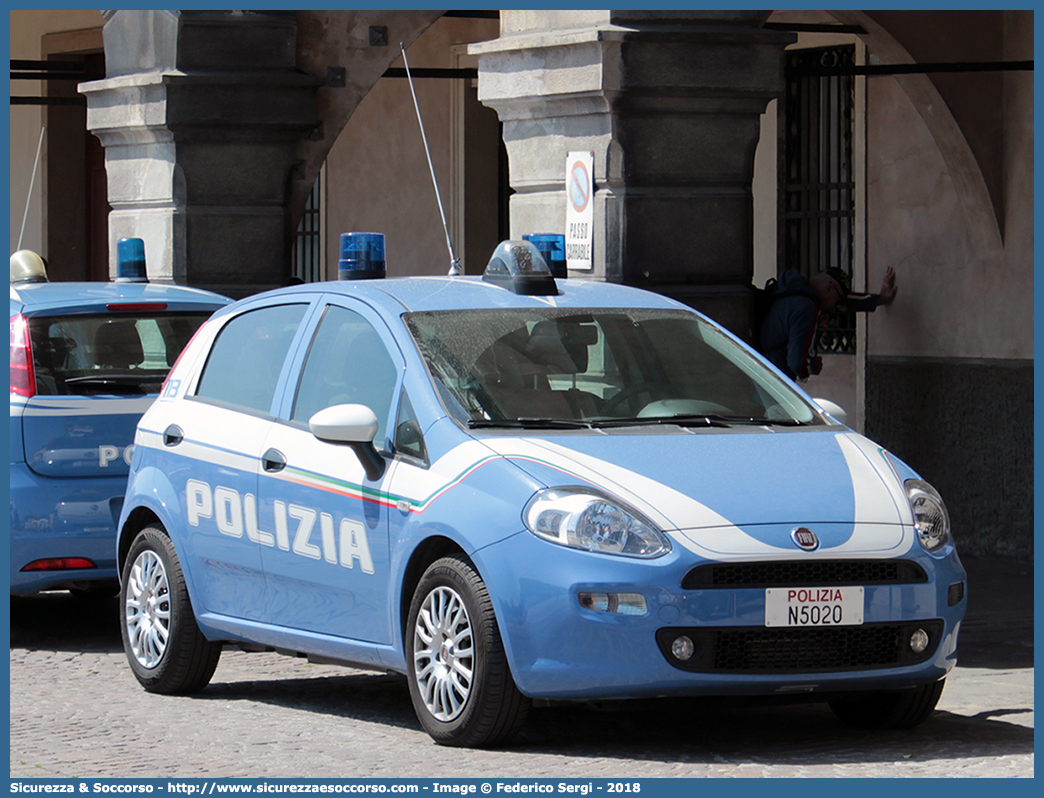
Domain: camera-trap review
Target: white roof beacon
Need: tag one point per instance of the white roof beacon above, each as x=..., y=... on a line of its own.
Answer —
x=27, y=267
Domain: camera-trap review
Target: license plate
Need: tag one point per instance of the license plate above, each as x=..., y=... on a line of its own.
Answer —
x=813, y=606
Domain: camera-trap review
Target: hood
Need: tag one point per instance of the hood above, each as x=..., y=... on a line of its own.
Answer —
x=735, y=492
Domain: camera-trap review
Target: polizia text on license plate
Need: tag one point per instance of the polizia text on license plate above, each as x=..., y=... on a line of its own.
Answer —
x=814, y=606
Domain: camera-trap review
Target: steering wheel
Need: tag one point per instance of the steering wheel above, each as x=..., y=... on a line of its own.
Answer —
x=656, y=390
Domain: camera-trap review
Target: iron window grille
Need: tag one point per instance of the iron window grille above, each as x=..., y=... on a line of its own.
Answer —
x=818, y=191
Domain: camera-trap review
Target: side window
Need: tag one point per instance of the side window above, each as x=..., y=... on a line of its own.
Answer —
x=347, y=363
x=246, y=358
x=409, y=440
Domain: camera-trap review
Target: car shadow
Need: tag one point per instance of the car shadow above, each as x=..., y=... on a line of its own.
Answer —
x=708, y=730
x=60, y=621
x=692, y=730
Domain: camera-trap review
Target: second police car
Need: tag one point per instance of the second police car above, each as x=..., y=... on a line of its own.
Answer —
x=87, y=359
x=515, y=487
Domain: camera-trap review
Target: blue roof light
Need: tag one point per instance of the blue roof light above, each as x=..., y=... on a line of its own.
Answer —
x=130, y=261
x=552, y=247
x=362, y=257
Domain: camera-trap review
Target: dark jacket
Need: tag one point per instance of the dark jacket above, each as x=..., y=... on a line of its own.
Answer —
x=789, y=325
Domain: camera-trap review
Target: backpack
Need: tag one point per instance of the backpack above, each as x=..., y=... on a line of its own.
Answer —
x=761, y=303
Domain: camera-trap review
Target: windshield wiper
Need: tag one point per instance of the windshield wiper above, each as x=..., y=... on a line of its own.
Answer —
x=527, y=423
x=676, y=420
x=762, y=421
x=698, y=420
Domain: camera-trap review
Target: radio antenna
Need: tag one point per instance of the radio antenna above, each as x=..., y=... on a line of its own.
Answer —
x=32, y=182
x=454, y=260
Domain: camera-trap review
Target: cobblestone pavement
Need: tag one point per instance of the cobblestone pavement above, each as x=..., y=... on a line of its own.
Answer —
x=77, y=712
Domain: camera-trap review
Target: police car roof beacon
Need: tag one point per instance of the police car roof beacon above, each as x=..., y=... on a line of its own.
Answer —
x=552, y=247
x=362, y=257
x=130, y=261
x=519, y=267
x=27, y=267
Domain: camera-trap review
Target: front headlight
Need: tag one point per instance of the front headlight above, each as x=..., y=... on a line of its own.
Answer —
x=930, y=516
x=586, y=519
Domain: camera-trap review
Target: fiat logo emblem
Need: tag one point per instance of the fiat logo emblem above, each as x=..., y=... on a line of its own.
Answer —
x=805, y=538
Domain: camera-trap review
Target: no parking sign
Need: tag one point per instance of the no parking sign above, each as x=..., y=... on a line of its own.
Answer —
x=579, y=209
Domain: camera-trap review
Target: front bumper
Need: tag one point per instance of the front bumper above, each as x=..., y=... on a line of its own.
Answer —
x=558, y=649
x=62, y=518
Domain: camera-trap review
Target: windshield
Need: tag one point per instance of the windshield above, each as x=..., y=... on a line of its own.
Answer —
x=108, y=354
x=599, y=367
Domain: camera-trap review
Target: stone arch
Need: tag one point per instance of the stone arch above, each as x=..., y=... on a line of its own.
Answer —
x=332, y=40
x=980, y=213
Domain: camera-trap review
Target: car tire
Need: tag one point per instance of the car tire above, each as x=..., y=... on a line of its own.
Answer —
x=164, y=646
x=890, y=709
x=460, y=682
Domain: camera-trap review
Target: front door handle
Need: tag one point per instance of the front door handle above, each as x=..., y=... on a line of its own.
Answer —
x=273, y=460
x=173, y=435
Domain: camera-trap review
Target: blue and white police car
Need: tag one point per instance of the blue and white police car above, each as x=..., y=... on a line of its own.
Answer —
x=516, y=488
x=87, y=359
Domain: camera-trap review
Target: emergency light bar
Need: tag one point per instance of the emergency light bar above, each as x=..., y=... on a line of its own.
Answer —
x=130, y=261
x=519, y=267
x=552, y=247
x=27, y=267
x=362, y=257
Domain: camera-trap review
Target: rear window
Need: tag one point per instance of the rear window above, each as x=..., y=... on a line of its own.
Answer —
x=107, y=353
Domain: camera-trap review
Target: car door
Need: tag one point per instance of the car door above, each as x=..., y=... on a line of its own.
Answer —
x=215, y=441
x=327, y=559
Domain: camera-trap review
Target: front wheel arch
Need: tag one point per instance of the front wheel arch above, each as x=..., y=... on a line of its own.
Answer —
x=427, y=552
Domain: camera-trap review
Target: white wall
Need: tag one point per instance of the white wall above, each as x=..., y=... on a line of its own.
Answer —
x=957, y=298
x=27, y=31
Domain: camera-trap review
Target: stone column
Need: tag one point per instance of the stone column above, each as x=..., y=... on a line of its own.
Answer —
x=200, y=114
x=669, y=102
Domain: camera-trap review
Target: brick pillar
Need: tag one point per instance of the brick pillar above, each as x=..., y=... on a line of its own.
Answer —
x=200, y=113
x=669, y=102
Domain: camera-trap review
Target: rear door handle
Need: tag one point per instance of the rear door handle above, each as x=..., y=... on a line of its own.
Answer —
x=173, y=435
x=273, y=460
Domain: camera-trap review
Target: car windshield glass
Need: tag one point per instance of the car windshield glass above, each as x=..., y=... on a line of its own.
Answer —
x=108, y=354
x=600, y=366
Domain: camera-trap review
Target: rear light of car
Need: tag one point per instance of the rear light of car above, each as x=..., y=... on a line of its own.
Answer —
x=23, y=379
x=59, y=564
x=139, y=307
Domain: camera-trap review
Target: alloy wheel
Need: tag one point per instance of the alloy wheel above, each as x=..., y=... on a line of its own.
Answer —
x=443, y=653
x=147, y=609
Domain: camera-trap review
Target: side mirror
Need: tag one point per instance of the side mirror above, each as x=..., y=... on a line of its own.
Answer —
x=832, y=409
x=354, y=426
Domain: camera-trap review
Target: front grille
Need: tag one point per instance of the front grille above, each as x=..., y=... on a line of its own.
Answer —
x=800, y=650
x=804, y=573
